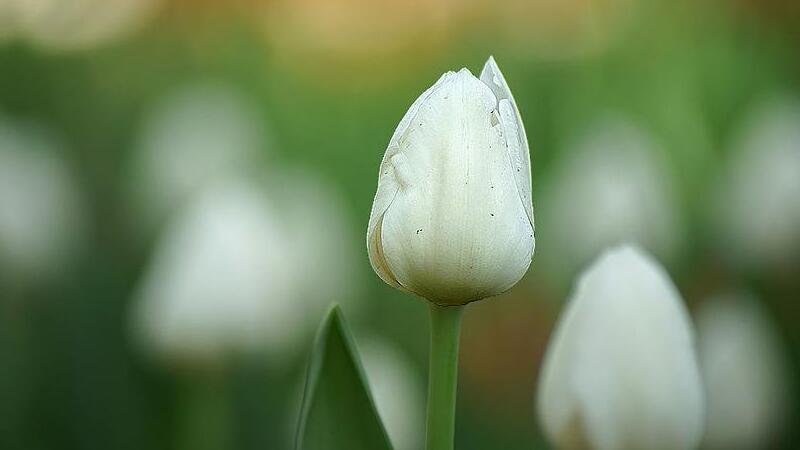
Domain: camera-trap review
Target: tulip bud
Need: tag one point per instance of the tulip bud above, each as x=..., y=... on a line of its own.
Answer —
x=621, y=371
x=42, y=209
x=746, y=374
x=754, y=208
x=609, y=186
x=194, y=137
x=230, y=273
x=452, y=219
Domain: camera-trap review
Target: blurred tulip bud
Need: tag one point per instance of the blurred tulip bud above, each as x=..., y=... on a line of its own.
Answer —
x=756, y=207
x=194, y=137
x=217, y=281
x=58, y=25
x=745, y=372
x=326, y=257
x=42, y=211
x=452, y=219
x=610, y=187
x=620, y=371
x=232, y=275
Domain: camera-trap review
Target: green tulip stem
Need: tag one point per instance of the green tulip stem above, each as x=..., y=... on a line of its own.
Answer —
x=205, y=420
x=442, y=376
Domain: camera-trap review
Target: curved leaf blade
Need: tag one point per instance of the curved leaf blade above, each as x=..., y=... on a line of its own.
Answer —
x=338, y=412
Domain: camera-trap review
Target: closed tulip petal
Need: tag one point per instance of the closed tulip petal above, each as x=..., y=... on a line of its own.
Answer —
x=519, y=151
x=388, y=187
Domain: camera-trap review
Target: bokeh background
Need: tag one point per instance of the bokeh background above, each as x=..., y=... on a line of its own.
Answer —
x=185, y=186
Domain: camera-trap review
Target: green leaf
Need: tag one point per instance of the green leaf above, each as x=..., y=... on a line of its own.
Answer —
x=338, y=412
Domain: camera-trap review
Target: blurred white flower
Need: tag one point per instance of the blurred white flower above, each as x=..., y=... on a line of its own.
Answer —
x=319, y=228
x=452, y=219
x=218, y=279
x=235, y=272
x=620, y=371
x=66, y=25
x=745, y=373
x=195, y=136
x=610, y=187
x=756, y=206
x=398, y=393
x=42, y=212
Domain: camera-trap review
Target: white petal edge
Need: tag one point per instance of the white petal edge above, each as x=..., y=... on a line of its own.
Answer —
x=494, y=79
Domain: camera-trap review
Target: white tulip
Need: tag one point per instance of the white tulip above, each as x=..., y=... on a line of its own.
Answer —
x=621, y=371
x=324, y=260
x=234, y=273
x=745, y=370
x=610, y=187
x=756, y=211
x=452, y=219
x=42, y=211
x=192, y=138
x=217, y=281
